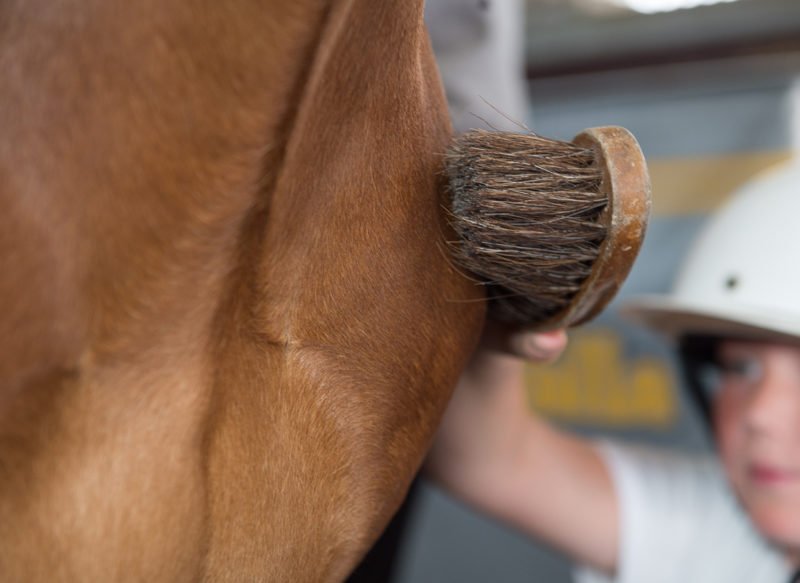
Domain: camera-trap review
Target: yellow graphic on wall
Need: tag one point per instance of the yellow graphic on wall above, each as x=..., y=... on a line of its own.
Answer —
x=593, y=384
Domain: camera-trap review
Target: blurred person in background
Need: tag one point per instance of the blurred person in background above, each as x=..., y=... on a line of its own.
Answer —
x=480, y=50
x=636, y=514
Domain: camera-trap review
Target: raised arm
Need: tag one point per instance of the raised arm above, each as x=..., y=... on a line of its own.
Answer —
x=495, y=454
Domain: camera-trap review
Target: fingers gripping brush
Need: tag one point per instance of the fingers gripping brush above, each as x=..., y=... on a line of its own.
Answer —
x=551, y=228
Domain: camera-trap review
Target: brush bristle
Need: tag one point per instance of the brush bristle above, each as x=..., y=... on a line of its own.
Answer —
x=526, y=210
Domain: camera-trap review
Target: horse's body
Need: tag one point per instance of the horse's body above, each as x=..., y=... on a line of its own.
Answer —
x=227, y=325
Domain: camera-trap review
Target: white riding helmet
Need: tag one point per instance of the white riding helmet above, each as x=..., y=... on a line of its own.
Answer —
x=742, y=274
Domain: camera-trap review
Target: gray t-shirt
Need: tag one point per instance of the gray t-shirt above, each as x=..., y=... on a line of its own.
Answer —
x=682, y=524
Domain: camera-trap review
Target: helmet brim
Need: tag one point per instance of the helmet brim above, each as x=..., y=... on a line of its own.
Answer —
x=675, y=318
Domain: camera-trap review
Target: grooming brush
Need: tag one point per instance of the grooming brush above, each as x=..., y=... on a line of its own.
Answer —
x=551, y=228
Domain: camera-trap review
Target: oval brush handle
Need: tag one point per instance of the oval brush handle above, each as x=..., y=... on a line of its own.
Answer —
x=626, y=184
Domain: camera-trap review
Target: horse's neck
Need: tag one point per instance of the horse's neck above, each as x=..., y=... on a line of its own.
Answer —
x=150, y=130
x=227, y=324
x=138, y=141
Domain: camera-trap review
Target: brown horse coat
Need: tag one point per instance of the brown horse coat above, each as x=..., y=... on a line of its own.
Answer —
x=227, y=324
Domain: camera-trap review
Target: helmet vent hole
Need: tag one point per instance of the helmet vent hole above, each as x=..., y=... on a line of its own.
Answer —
x=731, y=282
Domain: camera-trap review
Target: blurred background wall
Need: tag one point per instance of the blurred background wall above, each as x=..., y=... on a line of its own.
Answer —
x=712, y=94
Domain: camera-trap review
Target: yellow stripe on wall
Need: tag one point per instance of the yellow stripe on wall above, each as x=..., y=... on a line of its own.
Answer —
x=698, y=185
x=593, y=383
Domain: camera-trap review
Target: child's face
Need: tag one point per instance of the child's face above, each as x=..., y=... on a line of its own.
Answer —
x=757, y=424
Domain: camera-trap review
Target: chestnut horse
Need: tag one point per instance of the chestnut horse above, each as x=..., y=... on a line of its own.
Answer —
x=228, y=325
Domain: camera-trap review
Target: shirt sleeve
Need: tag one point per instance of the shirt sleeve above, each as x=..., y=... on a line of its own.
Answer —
x=681, y=523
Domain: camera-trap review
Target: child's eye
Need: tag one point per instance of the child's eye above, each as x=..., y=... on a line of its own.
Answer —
x=740, y=369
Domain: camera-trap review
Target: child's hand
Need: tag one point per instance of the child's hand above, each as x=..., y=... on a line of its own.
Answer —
x=531, y=346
